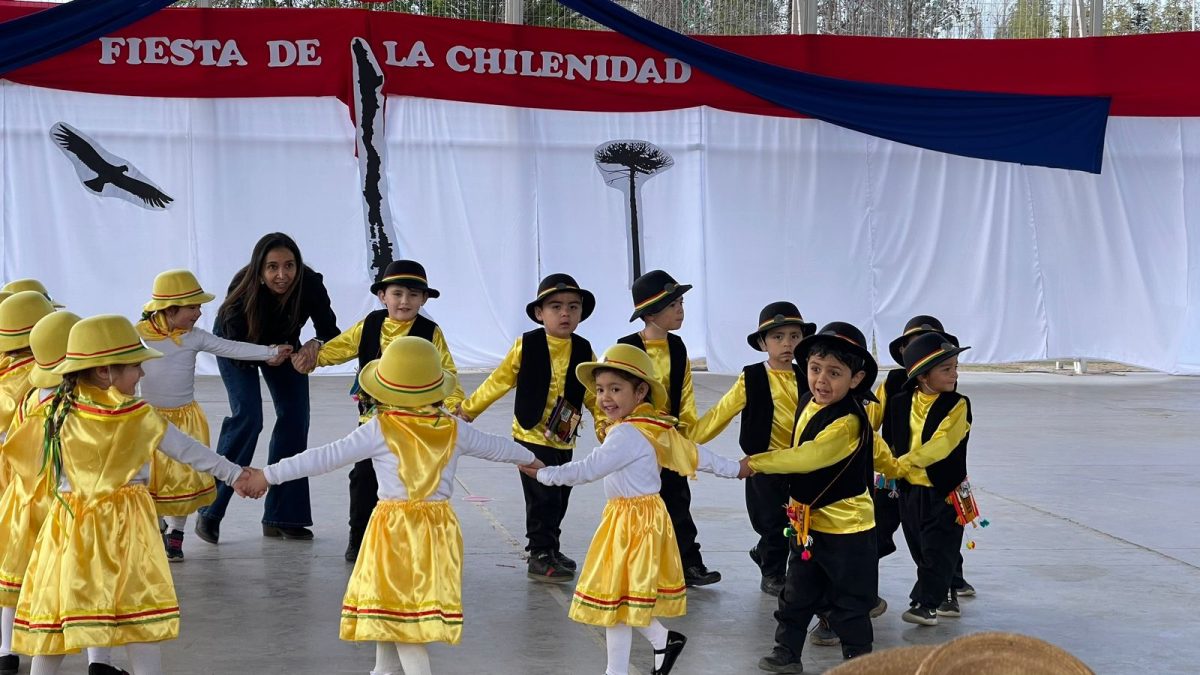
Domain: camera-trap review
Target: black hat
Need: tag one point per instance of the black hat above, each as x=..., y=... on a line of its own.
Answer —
x=918, y=325
x=925, y=352
x=845, y=336
x=779, y=314
x=556, y=283
x=407, y=273
x=653, y=291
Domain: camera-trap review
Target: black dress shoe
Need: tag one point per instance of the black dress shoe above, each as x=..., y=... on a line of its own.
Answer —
x=675, y=643
x=351, y=554
x=298, y=533
x=9, y=664
x=105, y=669
x=567, y=563
x=208, y=529
x=699, y=575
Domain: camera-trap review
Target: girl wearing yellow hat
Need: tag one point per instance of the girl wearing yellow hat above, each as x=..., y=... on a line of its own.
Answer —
x=18, y=313
x=169, y=322
x=97, y=576
x=633, y=573
x=406, y=588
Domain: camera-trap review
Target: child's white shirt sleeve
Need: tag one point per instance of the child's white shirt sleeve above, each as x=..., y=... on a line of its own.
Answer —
x=622, y=446
x=718, y=465
x=183, y=448
x=364, y=442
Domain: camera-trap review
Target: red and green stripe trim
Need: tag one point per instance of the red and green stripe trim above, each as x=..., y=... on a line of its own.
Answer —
x=18, y=364
x=167, y=499
x=637, y=370
x=177, y=296
x=780, y=319
x=650, y=420
x=438, y=614
x=109, y=620
x=666, y=594
x=16, y=332
x=409, y=389
x=111, y=412
x=50, y=366
x=557, y=289
x=397, y=278
x=653, y=299
x=402, y=413
x=115, y=351
x=917, y=366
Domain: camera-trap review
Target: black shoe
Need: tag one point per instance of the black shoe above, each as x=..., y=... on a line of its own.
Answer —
x=822, y=635
x=781, y=660
x=351, y=554
x=699, y=575
x=105, y=669
x=565, y=562
x=879, y=609
x=771, y=584
x=756, y=557
x=543, y=566
x=966, y=590
x=950, y=606
x=675, y=643
x=9, y=664
x=297, y=533
x=854, y=652
x=174, y=542
x=208, y=529
x=922, y=616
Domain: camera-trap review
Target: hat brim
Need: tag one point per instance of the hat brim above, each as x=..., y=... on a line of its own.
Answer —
x=806, y=329
x=370, y=383
x=864, y=388
x=589, y=303
x=660, y=305
x=926, y=367
x=380, y=285
x=896, y=347
x=138, y=355
x=12, y=343
x=44, y=379
x=585, y=372
x=198, y=299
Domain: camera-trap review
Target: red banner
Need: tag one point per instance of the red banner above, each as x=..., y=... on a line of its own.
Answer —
x=225, y=53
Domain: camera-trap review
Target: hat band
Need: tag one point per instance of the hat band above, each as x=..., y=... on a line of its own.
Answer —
x=395, y=278
x=50, y=366
x=177, y=296
x=627, y=365
x=777, y=319
x=115, y=351
x=917, y=366
x=654, y=298
x=847, y=339
x=917, y=329
x=406, y=388
x=15, y=366
x=556, y=289
x=15, y=332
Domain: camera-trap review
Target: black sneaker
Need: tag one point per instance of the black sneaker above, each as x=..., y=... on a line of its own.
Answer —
x=966, y=590
x=297, y=533
x=9, y=664
x=879, y=608
x=675, y=643
x=756, y=557
x=208, y=529
x=174, y=542
x=950, y=606
x=781, y=660
x=699, y=575
x=822, y=635
x=544, y=567
x=565, y=562
x=105, y=669
x=922, y=616
x=771, y=584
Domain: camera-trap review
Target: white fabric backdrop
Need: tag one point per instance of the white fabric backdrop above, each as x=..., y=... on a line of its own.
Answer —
x=1021, y=263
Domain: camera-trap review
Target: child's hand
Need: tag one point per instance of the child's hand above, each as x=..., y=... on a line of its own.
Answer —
x=252, y=483
x=458, y=412
x=531, y=469
x=282, y=352
x=745, y=471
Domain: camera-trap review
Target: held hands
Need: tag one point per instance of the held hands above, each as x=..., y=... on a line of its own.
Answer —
x=305, y=360
x=252, y=483
x=531, y=469
x=283, y=353
x=458, y=412
x=745, y=471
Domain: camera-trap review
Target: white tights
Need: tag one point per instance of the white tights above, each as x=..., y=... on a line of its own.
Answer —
x=619, y=641
x=144, y=659
x=7, y=616
x=176, y=523
x=394, y=658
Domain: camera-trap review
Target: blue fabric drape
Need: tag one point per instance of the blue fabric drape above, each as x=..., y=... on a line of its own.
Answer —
x=53, y=31
x=1064, y=132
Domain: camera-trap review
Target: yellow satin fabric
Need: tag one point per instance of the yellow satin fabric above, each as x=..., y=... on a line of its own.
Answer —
x=673, y=450
x=660, y=354
x=422, y=440
x=407, y=581
x=155, y=328
x=632, y=572
x=26, y=501
x=14, y=384
x=178, y=489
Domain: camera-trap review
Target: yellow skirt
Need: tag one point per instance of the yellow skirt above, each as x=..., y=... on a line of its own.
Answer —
x=632, y=572
x=407, y=581
x=97, y=578
x=21, y=517
x=177, y=488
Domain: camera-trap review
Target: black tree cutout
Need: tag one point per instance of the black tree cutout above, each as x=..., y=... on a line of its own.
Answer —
x=368, y=117
x=625, y=165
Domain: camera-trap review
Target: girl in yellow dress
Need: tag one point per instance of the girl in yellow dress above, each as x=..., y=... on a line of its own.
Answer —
x=169, y=323
x=98, y=575
x=18, y=313
x=633, y=573
x=406, y=588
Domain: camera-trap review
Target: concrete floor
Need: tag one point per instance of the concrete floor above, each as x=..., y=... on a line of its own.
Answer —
x=1089, y=483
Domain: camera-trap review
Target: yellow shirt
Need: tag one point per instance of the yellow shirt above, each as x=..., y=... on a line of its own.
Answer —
x=947, y=437
x=344, y=348
x=783, y=393
x=504, y=378
x=660, y=354
x=883, y=460
x=835, y=442
x=875, y=410
x=14, y=384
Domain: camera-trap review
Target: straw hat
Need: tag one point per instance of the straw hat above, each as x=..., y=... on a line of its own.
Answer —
x=408, y=375
x=176, y=288
x=898, y=661
x=628, y=359
x=104, y=340
x=29, y=285
x=1001, y=654
x=18, y=313
x=49, y=343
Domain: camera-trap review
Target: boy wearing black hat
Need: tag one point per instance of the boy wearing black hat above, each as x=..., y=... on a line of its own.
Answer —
x=833, y=568
x=549, y=403
x=403, y=288
x=931, y=466
x=658, y=302
x=766, y=395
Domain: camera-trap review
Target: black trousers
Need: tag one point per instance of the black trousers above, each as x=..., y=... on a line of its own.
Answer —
x=840, y=581
x=887, y=520
x=677, y=496
x=766, y=504
x=364, y=495
x=545, y=505
x=934, y=538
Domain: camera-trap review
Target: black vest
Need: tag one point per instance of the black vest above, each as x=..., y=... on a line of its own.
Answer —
x=679, y=366
x=894, y=384
x=758, y=416
x=533, y=378
x=947, y=473
x=847, y=478
x=370, y=345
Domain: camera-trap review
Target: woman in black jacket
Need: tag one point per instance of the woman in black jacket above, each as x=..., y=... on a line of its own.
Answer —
x=269, y=301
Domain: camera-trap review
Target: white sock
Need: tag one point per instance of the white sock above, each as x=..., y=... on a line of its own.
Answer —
x=387, y=659
x=414, y=658
x=618, y=640
x=145, y=658
x=99, y=655
x=46, y=665
x=656, y=633
x=176, y=523
x=8, y=616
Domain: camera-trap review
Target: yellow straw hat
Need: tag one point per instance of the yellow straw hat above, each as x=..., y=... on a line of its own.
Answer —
x=898, y=661
x=49, y=343
x=104, y=340
x=408, y=375
x=29, y=285
x=627, y=359
x=1001, y=654
x=176, y=288
x=18, y=313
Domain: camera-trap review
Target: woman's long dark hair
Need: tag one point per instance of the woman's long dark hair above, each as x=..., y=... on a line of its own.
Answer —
x=249, y=294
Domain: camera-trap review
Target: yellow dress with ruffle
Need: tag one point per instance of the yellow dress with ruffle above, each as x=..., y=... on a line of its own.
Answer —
x=632, y=572
x=26, y=501
x=14, y=384
x=407, y=581
x=98, y=575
